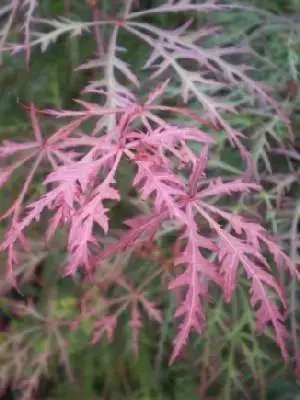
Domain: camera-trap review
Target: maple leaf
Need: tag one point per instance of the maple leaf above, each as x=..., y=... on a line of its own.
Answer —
x=165, y=186
x=198, y=271
x=170, y=179
x=106, y=324
x=241, y=248
x=82, y=226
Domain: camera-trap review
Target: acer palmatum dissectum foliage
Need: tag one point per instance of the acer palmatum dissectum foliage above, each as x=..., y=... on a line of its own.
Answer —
x=170, y=177
x=26, y=354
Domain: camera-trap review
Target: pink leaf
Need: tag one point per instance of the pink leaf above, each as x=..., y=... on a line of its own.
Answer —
x=106, y=324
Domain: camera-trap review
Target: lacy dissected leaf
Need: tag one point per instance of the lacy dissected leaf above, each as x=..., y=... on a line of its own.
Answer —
x=241, y=248
x=172, y=190
x=198, y=272
x=163, y=185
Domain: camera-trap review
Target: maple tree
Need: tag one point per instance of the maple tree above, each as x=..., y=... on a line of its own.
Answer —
x=170, y=186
